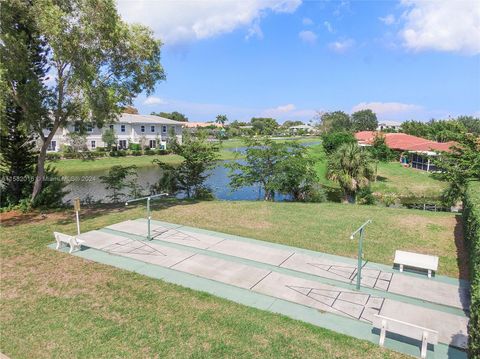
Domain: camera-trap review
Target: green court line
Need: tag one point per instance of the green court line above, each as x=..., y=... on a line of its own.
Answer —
x=369, y=265
x=298, y=274
x=343, y=325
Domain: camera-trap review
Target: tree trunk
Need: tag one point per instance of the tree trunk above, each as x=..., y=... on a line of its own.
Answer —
x=37, y=187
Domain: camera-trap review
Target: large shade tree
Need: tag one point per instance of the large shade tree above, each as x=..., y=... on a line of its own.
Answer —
x=364, y=120
x=352, y=168
x=96, y=64
x=337, y=121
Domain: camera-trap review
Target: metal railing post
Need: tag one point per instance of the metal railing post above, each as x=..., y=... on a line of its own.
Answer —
x=360, y=251
x=149, y=214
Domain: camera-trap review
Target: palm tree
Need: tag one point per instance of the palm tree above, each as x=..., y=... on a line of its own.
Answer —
x=352, y=168
x=221, y=119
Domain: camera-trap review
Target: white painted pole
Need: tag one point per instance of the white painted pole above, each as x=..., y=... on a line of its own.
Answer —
x=78, y=223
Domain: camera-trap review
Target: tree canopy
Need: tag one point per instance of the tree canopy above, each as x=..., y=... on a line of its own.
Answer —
x=335, y=121
x=175, y=116
x=93, y=63
x=364, y=120
x=264, y=125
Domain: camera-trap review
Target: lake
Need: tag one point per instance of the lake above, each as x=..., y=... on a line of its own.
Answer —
x=89, y=188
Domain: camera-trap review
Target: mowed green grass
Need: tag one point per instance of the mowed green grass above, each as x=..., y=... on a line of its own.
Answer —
x=80, y=167
x=56, y=305
x=393, y=178
x=238, y=142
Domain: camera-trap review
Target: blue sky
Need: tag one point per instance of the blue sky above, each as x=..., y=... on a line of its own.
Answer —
x=289, y=59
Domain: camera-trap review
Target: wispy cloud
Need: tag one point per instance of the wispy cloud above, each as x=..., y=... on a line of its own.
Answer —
x=341, y=46
x=308, y=37
x=307, y=21
x=328, y=26
x=388, y=109
x=152, y=100
x=388, y=19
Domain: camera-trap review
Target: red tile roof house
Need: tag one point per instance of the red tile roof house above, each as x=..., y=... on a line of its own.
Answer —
x=417, y=151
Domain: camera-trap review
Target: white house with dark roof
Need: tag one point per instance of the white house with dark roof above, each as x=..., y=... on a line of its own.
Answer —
x=154, y=131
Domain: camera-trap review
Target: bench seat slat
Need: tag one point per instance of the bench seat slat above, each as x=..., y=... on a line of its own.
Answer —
x=416, y=260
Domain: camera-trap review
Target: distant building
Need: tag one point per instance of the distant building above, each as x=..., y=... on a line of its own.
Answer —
x=129, y=128
x=201, y=124
x=415, y=152
x=301, y=129
x=388, y=125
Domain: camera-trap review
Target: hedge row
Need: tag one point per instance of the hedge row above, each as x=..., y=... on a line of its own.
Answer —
x=471, y=215
x=53, y=156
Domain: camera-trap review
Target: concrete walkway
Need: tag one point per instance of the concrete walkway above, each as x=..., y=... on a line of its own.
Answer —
x=315, y=280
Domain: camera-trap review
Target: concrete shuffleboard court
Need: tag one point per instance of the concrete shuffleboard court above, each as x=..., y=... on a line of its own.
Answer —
x=304, y=278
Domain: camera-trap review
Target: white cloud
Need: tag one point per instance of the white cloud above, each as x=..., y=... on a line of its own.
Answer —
x=308, y=36
x=329, y=27
x=387, y=109
x=307, y=21
x=179, y=22
x=341, y=46
x=442, y=25
x=152, y=100
x=288, y=111
x=388, y=20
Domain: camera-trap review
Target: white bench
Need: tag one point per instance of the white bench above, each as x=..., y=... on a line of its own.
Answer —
x=391, y=325
x=416, y=260
x=73, y=242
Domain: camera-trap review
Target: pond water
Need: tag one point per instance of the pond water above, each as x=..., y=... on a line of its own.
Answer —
x=91, y=189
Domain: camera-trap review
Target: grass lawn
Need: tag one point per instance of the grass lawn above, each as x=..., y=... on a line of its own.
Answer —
x=56, y=305
x=80, y=167
x=392, y=178
x=238, y=142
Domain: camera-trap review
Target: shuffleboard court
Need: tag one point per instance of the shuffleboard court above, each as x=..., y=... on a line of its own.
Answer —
x=398, y=283
x=290, y=274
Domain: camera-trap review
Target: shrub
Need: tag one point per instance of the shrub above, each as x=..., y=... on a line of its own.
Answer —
x=53, y=156
x=136, y=153
x=149, y=152
x=134, y=146
x=162, y=152
x=365, y=196
x=332, y=141
x=52, y=192
x=471, y=215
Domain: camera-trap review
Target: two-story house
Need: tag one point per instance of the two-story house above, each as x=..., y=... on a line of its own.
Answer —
x=153, y=131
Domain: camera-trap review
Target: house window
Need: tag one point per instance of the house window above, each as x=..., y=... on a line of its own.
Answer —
x=152, y=128
x=111, y=127
x=122, y=128
x=93, y=144
x=122, y=144
x=77, y=128
x=164, y=129
x=89, y=128
x=142, y=128
x=52, y=146
x=153, y=144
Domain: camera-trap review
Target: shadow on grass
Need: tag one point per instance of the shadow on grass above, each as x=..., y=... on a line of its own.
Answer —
x=95, y=211
x=63, y=215
x=462, y=255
